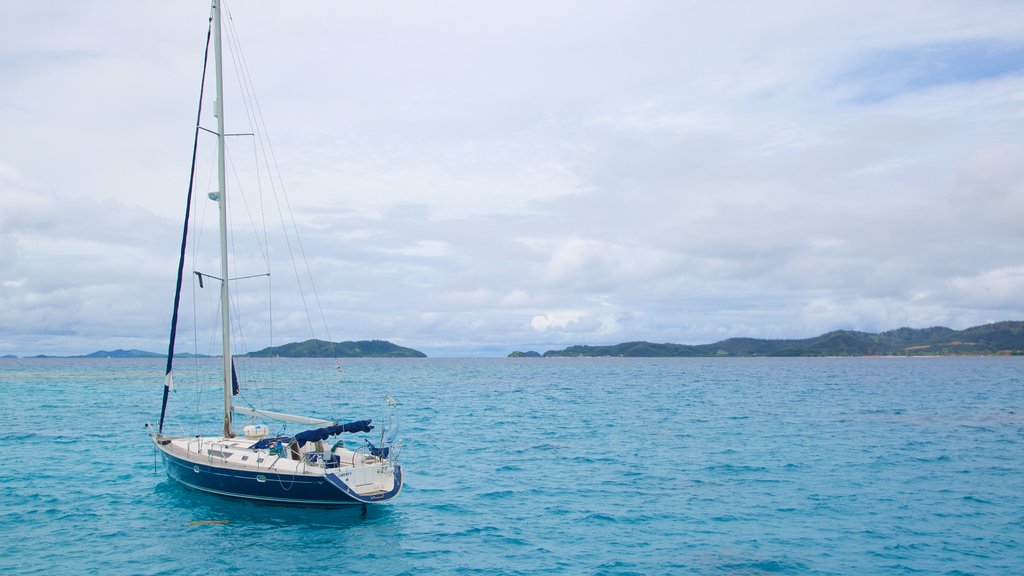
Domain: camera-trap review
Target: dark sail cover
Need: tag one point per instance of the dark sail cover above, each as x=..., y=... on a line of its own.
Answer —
x=268, y=442
x=184, y=237
x=328, y=431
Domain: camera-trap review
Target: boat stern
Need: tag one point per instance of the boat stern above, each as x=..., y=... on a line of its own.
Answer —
x=369, y=483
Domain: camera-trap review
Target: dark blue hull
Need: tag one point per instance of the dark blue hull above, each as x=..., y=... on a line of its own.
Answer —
x=270, y=487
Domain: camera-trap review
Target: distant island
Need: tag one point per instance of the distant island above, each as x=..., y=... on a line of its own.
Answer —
x=307, y=349
x=1003, y=338
x=119, y=353
x=348, y=349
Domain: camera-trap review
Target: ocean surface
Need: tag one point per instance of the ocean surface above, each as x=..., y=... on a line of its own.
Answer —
x=543, y=466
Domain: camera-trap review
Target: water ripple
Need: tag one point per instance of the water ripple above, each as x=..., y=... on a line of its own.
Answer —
x=601, y=466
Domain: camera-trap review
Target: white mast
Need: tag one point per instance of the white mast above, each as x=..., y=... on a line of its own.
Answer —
x=225, y=317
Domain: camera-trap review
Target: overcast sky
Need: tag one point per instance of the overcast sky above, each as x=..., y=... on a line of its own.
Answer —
x=472, y=178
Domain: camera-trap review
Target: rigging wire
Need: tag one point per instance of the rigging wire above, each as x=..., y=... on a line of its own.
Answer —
x=202, y=203
x=235, y=315
x=261, y=142
x=195, y=346
x=261, y=241
x=266, y=164
x=259, y=125
x=246, y=90
x=248, y=211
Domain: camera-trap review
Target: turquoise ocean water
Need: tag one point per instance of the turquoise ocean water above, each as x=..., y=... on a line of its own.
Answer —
x=552, y=466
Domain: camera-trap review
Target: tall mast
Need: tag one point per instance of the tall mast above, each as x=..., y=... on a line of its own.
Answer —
x=225, y=317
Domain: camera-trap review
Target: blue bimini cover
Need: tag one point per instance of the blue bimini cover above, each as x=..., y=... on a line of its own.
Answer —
x=266, y=442
x=328, y=431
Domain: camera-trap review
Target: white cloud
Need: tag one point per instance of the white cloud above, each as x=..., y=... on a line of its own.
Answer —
x=421, y=248
x=563, y=319
x=576, y=322
x=474, y=181
x=997, y=289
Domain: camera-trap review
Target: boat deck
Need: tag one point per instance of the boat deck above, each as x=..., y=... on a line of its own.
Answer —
x=312, y=459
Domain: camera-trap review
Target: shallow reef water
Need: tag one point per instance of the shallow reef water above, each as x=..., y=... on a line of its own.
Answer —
x=543, y=466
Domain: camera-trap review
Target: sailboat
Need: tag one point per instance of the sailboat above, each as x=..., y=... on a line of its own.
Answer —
x=303, y=468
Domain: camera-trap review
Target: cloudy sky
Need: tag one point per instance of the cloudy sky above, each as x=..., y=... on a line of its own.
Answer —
x=472, y=178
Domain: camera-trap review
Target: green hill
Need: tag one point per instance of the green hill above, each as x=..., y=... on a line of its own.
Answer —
x=628, y=349
x=348, y=349
x=997, y=338
x=307, y=349
x=119, y=353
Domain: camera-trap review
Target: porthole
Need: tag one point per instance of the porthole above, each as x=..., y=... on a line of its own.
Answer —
x=261, y=478
x=195, y=469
